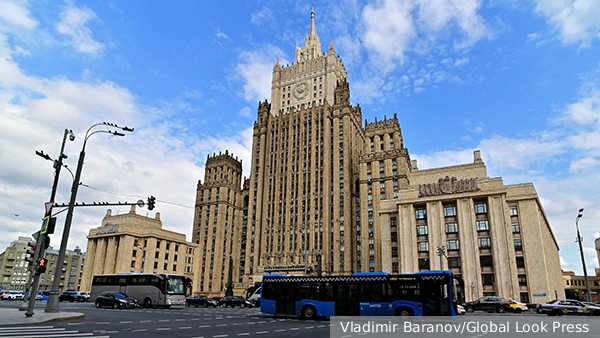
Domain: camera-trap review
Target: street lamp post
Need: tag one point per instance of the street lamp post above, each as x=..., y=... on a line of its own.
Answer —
x=52, y=304
x=579, y=240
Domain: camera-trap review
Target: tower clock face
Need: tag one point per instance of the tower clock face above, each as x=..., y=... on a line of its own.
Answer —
x=301, y=90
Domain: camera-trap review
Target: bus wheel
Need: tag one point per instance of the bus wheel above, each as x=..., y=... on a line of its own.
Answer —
x=309, y=312
x=404, y=312
x=147, y=302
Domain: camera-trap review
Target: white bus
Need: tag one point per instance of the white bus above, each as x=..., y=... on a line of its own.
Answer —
x=149, y=289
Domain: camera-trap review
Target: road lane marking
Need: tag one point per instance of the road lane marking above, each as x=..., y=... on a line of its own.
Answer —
x=185, y=327
x=126, y=322
x=243, y=334
x=163, y=329
x=262, y=332
x=280, y=330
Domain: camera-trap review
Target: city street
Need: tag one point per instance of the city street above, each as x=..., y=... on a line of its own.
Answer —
x=173, y=322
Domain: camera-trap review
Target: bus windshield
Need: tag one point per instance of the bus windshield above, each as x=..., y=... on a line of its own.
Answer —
x=176, y=285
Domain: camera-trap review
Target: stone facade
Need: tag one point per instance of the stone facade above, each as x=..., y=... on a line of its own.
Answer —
x=135, y=243
x=577, y=283
x=324, y=187
x=14, y=267
x=497, y=237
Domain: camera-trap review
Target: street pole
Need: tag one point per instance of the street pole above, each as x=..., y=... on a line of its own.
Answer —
x=53, y=300
x=28, y=301
x=441, y=251
x=579, y=240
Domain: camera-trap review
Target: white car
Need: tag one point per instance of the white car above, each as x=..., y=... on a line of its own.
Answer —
x=461, y=309
x=13, y=295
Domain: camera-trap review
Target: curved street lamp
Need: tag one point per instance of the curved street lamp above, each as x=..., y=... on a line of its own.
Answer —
x=52, y=304
x=579, y=239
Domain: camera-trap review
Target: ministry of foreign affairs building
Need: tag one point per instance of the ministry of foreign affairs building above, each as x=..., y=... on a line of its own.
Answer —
x=327, y=190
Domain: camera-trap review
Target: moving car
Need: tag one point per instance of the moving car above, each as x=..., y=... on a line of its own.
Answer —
x=234, y=301
x=595, y=308
x=199, y=300
x=561, y=307
x=12, y=295
x=518, y=307
x=39, y=295
x=460, y=309
x=115, y=300
x=71, y=296
x=497, y=304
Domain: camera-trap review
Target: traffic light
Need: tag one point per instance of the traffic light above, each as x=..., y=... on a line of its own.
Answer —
x=30, y=253
x=42, y=265
x=151, y=202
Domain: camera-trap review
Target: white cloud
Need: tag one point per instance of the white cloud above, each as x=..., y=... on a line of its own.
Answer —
x=584, y=164
x=15, y=15
x=264, y=15
x=73, y=25
x=564, y=264
x=255, y=69
x=246, y=112
x=577, y=21
x=461, y=62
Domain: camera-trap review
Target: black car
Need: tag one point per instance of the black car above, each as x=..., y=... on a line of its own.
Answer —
x=489, y=304
x=116, y=300
x=199, y=300
x=234, y=301
x=71, y=296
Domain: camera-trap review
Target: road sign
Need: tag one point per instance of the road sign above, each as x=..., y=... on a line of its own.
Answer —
x=48, y=206
x=45, y=223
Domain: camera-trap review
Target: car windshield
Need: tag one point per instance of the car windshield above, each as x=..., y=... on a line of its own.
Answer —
x=120, y=295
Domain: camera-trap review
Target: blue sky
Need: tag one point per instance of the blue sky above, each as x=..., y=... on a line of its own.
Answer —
x=519, y=80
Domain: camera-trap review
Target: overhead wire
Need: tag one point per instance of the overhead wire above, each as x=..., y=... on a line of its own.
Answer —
x=138, y=196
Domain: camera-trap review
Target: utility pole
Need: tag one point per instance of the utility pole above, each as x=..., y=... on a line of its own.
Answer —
x=44, y=240
x=579, y=240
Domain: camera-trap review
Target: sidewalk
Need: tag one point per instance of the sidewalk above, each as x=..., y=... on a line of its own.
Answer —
x=16, y=317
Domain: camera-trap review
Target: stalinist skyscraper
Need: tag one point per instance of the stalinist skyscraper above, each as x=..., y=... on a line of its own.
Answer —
x=305, y=199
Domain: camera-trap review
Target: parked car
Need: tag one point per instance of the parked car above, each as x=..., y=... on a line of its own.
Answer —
x=71, y=296
x=234, y=301
x=86, y=295
x=460, y=309
x=561, y=307
x=518, y=307
x=199, y=300
x=497, y=304
x=12, y=295
x=216, y=298
x=115, y=300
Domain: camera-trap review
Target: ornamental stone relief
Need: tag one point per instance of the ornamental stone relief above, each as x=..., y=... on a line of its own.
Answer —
x=108, y=229
x=447, y=186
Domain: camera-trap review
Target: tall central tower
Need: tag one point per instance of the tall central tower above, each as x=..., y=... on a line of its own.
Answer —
x=310, y=80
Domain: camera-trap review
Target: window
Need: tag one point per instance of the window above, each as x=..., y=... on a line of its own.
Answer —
x=423, y=246
x=449, y=211
x=421, y=230
x=513, y=211
x=391, y=145
x=518, y=245
x=369, y=176
x=481, y=208
x=454, y=262
x=382, y=195
x=381, y=174
x=485, y=243
x=424, y=264
x=515, y=228
x=486, y=261
x=522, y=280
x=382, y=185
x=487, y=279
x=381, y=164
x=394, y=251
x=370, y=207
x=451, y=228
x=520, y=263
x=421, y=213
x=368, y=166
x=483, y=226
x=452, y=244
x=394, y=236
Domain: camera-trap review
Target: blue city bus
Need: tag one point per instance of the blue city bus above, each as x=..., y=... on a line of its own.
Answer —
x=426, y=293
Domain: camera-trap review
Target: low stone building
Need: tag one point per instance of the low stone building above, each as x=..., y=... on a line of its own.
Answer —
x=496, y=237
x=135, y=243
x=577, y=284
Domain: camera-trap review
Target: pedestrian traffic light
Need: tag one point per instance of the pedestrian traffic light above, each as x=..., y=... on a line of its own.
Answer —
x=30, y=253
x=42, y=265
x=151, y=202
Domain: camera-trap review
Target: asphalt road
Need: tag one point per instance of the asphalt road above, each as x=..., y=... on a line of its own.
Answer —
x=172, y=322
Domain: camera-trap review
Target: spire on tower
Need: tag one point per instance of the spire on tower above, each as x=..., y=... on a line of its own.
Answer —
x=312, y=30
